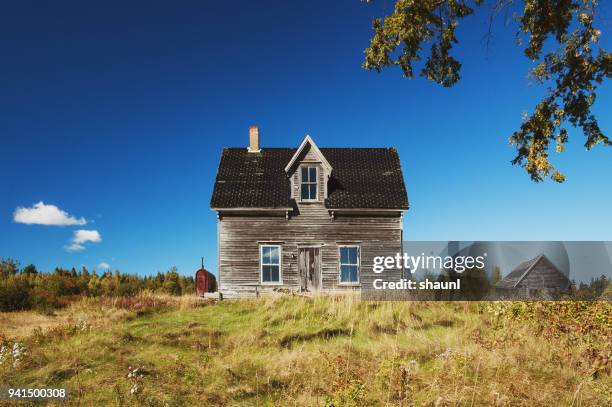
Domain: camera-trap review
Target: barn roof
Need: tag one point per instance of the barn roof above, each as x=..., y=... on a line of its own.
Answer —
x=521, y=271
x=362, y=178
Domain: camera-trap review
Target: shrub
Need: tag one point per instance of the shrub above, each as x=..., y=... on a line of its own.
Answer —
x=14, y=294
x=31, y=289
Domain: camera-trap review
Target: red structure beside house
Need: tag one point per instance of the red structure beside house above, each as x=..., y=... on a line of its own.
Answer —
x=205, y=282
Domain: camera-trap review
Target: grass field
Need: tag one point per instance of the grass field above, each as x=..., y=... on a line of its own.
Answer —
x=333, y=351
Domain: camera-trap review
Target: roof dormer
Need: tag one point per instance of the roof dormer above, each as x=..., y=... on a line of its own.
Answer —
x=308, y=143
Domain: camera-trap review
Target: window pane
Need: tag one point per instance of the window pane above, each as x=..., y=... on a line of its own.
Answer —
x=304, y=174
x=275, y=273
x=274, y=255
x=265, y=255
x=313, y=191
x=352, y=255
x=348, y=274
x=353, y=271
x=313, y=174
x=305, y=191
x=344, y=255
x=265, y=273
x=270, y=274
x=343, y=274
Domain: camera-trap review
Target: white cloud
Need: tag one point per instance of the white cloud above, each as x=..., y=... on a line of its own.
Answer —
x=41, y=214
x=74, y=247
x=81, y=237
x=104, y=266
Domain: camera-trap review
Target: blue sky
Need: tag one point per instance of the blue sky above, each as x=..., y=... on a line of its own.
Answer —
x=117, y=112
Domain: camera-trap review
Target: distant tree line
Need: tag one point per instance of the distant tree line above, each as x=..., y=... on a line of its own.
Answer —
x=595, y=289
x=28, y=288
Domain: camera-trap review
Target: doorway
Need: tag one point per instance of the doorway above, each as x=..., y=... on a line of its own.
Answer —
x=309, y=268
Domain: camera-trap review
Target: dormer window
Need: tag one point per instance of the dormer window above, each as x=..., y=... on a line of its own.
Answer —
x=308, y=183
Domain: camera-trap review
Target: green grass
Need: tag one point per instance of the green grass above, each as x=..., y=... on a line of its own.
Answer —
x=324, y=351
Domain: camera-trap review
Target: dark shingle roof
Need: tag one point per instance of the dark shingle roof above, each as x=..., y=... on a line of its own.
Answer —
x=252, y=180
x=361, y=178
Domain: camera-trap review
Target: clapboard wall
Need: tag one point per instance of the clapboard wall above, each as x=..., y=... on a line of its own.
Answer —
x=544, y=276
x=240, y=236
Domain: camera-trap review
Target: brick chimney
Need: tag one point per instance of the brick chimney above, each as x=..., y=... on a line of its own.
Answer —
x=254, y=139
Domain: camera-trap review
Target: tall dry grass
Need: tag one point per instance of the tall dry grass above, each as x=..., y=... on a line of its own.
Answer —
x=322, y=350
x=99, y=311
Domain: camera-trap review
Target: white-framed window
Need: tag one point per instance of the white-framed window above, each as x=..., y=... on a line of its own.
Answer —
x=349, y=264
x=308, y=182
x=270, y=264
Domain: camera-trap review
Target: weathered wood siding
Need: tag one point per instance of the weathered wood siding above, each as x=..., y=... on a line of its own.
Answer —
x=241, y=235
x=544, y=277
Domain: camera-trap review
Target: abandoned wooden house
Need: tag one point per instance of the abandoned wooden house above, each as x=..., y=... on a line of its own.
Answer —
x=535, y=277
x=307, y=218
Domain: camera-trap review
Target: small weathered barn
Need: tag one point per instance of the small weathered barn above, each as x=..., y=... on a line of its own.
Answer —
x=306, y=218
x=538, y=276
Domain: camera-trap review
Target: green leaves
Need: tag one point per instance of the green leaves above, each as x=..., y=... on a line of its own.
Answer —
x=397, y=39
x=572, y=72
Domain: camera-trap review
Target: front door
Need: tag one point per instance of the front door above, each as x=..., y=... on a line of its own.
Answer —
x=310, y=268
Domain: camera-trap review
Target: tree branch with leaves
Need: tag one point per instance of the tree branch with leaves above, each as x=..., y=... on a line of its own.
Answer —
x=572, y=71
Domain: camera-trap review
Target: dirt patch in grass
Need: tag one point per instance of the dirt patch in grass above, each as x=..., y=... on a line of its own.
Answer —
x=66, y=372
x=60, y=375
x=126, y=337
x=446, y=323
x=377, y=328
x=327, y=333
x=423, y=326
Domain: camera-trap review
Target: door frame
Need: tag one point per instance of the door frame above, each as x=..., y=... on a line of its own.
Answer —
x=312, y=246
